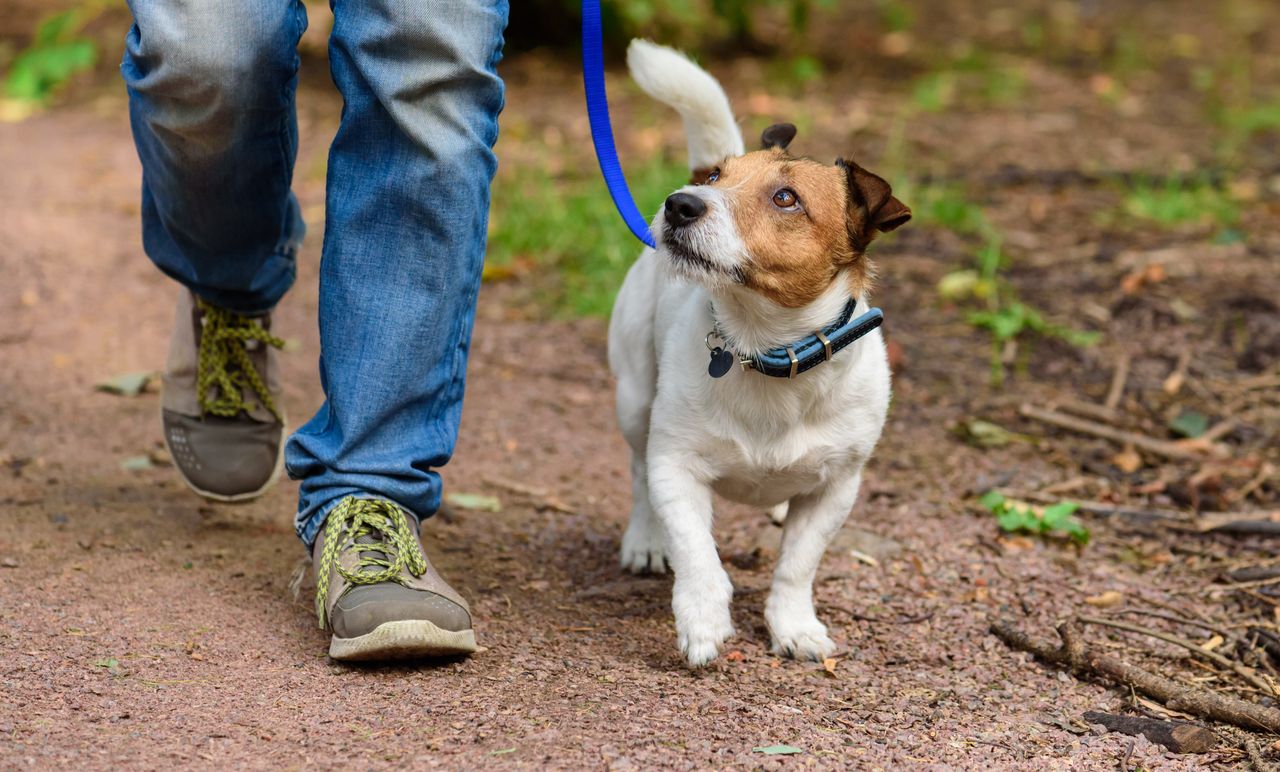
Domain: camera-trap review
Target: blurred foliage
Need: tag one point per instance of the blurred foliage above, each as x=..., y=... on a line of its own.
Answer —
x=562, y=236
x=1178, y=201
x=693, y=24
x=58, y=51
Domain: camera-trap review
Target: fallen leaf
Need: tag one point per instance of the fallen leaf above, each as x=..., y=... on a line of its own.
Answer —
x=126, y=384
x=1190, y=424
x=8, y=563
x=1106, y=600
x=829, y=667
x=474, y=501
x=984, y=434
x=863, y=557
x=1127, y=460
x=1151, y=273
x=136, y=463
x=1212, y=643
x=735, y=656
x=776, y=750
x=502, y=751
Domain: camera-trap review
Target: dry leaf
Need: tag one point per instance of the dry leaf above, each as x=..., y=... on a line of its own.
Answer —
x=1212, y=643
x=1127, y=460
x=1106, y=600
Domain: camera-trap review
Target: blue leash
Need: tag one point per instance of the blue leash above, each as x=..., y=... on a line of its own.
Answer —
x=601, y=130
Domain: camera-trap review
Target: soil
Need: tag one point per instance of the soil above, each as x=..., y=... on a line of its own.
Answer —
x=143, y=627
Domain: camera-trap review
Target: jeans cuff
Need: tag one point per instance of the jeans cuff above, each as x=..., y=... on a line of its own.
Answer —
x=308, y=527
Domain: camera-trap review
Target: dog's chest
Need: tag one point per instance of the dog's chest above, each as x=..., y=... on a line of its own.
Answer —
x=748, y=482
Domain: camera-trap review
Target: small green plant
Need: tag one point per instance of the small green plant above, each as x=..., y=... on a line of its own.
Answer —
x=1055, y=520
x=1002, y=315
x=58, y=51
x=1177, y=202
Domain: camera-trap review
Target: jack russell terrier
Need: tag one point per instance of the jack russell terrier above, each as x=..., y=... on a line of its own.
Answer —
x=760, y=269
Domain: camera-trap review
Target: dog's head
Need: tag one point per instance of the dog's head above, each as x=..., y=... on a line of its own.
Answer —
x=783, y=226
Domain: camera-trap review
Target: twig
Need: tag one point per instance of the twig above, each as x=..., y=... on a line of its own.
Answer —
x=1175, y=696
x=515, y=487
x=1177, y=736
x=1160, y=447
x=1175, y=618
x=1241, y=670
x=1173, y=384
x=1118, y=380
x=1087, y=409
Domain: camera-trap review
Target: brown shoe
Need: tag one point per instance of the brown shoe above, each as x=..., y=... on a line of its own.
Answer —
x=376, y=592
x=221, y=408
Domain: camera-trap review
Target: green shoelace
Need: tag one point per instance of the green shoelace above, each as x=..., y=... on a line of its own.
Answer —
x=224, y=366
x=393, y=539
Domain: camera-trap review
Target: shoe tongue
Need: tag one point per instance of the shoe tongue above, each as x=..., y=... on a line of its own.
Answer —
x=374, y=537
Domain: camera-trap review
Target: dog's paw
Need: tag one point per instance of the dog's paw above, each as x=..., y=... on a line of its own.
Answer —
x=778, y=514
x=700, y=642
x=643, y=551
x=806, y=643
x=703, y=621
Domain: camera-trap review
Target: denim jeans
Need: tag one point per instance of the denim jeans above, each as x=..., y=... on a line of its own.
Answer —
x=211, y=100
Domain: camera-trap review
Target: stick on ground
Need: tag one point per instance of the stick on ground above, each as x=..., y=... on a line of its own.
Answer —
x=1083, y=426
x=1186, y=699
x=1177, y=736
x=1244, y=672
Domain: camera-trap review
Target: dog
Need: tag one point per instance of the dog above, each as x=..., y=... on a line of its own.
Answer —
x=759, y=251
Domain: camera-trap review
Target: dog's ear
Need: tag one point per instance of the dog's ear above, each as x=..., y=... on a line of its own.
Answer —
x=872, y=207
x=778, y=135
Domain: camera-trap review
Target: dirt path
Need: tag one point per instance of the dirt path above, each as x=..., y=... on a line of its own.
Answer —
x=140, y=626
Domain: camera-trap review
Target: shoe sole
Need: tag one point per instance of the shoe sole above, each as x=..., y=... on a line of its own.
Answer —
x=405, y=639
x=233, y=498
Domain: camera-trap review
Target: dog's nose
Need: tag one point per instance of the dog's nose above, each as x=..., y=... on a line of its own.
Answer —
x=683, y=208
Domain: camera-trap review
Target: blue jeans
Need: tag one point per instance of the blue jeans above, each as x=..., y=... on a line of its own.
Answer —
x=211, y=100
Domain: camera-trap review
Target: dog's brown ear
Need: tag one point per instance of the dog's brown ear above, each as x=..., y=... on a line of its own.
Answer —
x=777, y=135
x=872, y=207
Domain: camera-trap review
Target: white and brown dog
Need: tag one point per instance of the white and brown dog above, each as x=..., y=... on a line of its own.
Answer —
x=761, y=251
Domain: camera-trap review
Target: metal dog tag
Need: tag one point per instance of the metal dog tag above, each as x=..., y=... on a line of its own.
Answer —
x=721, y=362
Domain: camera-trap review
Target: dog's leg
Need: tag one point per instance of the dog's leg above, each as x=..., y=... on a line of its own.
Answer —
x=702, y=592
x=642, y=544
x=811, y=524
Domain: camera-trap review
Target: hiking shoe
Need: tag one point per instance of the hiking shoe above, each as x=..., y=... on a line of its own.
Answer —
x=220, y=407
x=376, y=592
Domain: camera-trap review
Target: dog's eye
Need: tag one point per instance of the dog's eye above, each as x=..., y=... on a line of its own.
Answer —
x=785, y=198
x=714, y=175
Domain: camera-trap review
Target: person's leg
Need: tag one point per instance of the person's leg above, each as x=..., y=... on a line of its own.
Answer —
x=407, y=211
x=211, y=101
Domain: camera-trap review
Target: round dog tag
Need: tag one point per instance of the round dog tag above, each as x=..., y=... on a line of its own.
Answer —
x=721, y=362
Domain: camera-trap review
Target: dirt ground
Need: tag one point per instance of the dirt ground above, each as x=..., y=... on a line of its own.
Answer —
x=142, y=627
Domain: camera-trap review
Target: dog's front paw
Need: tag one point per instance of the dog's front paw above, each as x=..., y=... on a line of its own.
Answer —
x=700, y=641
x=798, y=635
x=643, y=550
x=703, y=621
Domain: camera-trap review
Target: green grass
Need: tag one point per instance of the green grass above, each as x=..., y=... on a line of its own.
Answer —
x=567, y=234
x=1179, y=202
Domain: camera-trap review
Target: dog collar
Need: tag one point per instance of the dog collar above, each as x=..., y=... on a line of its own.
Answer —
x=804, y=354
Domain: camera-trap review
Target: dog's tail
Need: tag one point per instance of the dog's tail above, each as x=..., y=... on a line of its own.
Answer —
x=669, y=77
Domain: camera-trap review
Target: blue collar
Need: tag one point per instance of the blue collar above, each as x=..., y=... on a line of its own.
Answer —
x=805, y=354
